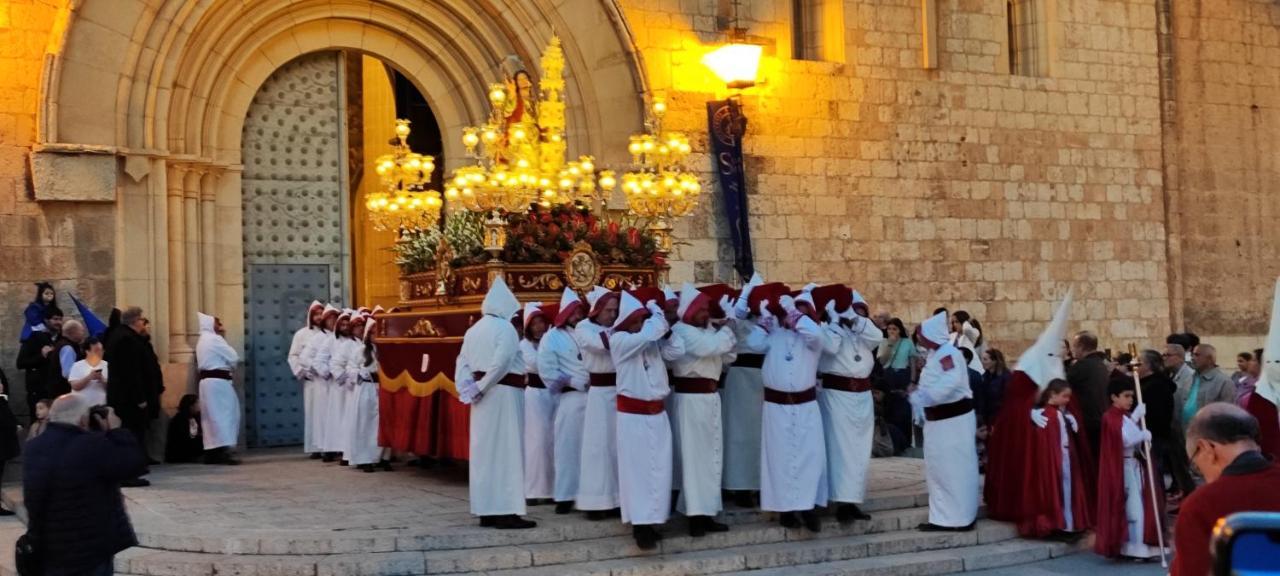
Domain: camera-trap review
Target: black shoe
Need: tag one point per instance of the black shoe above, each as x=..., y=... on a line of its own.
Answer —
x=597, y=515
x=930, y=527
x=646, y=537
x=135, y=483
x=315, y=456
x=344, y=463
x=696, y=527
x=744, y=499
x=385, y=465
x=488, y=521
x=229, y=461
x=366, y=468
x=4, y=512
x=847, y=513
x=712, y=526
x=789, y=520
x=513, y=522
x=614, y=513
x=327, y=458
x=812, y=521
x=564, y=507
x=153, y=462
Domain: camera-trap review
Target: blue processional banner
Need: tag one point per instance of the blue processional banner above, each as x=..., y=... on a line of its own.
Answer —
x=728, y=125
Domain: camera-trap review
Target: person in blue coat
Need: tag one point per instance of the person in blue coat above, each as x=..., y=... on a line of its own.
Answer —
x=34, y=315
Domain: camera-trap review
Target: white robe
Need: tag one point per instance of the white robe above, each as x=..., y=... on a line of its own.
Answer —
x=560, y=364
x=644, y=440
x=848, y=418
x=298, y=364
x=1134, y=506
x=693, y=352
x=539, y=421
x=950, y=452
x=341, y=395
x=316, y=358
x=219, y=405
x=363, y=443
x=742, y=408
x=496, y=477
x=793, y=455
x=598, y=471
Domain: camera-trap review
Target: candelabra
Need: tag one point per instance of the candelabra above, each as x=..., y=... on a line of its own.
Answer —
x=658, y=187
x=403, y=200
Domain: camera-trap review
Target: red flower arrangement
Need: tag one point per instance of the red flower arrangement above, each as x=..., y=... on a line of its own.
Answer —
x=546, y=236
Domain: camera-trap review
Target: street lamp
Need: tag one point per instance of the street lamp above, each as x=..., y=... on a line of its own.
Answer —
x=736, y=63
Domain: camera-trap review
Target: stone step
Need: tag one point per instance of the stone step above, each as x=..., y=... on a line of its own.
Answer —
x=750, y=546
x=950, y=561
x=162, y=535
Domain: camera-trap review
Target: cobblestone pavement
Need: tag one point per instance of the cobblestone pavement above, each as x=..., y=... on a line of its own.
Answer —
x=281, y=490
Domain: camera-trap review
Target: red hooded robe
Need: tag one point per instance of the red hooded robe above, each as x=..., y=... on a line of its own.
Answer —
x=1268, y=425
x=1009, y=450
x=1043, y=490
x=1112, y=524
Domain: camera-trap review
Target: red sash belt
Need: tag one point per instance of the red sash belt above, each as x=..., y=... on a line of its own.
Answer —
x=950, y=410
x=533, y=381
x=779, y=397
x=695, y=385
x=845, y=383
x=749, y=361
x=603, y=379
x=629, y=405
x=511, y=379
x=216, y=374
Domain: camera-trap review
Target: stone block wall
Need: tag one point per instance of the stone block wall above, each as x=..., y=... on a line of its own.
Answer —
x=963, y=186
x=70, y=244
x=1227, y=137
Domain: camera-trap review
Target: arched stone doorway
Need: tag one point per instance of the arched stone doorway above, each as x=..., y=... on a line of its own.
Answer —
x=163, y=88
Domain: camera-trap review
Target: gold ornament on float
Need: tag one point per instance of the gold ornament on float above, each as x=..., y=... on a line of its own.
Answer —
x=659, y=187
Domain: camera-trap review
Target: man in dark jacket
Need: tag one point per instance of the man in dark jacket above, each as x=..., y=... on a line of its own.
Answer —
x=135, y=381
x=1088, y=378
x=66, y=352
x=33, y=358
x=71, y=486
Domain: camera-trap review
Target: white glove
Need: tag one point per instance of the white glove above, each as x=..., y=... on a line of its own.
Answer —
x=468, y=392
x=764, y=309
x=1145, y=435
x=849, y=314
x=1038, y=417
x=832, y=315
x=1075, y=426
x=740, y=308
x=1139, y=411
x=788, y=303
x=655, y=308
x=726, y=304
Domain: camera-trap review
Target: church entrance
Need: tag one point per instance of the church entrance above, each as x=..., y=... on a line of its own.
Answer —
x=309, y=141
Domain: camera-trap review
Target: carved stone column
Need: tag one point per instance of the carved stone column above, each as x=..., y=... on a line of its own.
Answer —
x=179, y=348
x=191, y=248
x=208, y=250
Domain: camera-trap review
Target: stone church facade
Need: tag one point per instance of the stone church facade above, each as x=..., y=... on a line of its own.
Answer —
x=982, y=154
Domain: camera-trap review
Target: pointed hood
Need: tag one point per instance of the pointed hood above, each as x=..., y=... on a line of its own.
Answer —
x=370, y=326
x=598, y=298
x=629, y=308
x=315, y=305
x=500, y=301
x=806, y=295
x=206, y=322
x=933, y=332
x=531, y=311
x=1042, y=362
x=670, y=294
x=860, y=304
x=569, y=301
x=1269, y=380
x=377, y=310
x=691, y=300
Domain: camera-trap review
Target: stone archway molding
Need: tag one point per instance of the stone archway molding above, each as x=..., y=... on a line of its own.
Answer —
x=143, y=103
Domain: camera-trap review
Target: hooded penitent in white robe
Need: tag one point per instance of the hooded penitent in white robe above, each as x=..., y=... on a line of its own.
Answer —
x=297, y=365
x=363, y=444
x=950, y=452
x=219, y=405
x=793, y=455
x=644, y=440
x=560, y=366
x=315, y=358
x=539, y=420
x=848, y=418
x=742, y=399
x=342, y=390
x=492, y=347
x=598, y=472
x=700, y=353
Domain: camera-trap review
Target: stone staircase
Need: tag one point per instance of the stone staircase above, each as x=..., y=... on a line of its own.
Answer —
x=570, y=545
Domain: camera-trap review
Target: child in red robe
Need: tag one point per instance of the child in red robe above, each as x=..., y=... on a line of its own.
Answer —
x=1057, y=502
x=1126, y=509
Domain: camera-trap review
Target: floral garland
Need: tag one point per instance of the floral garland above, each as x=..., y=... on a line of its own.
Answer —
x=547, y=235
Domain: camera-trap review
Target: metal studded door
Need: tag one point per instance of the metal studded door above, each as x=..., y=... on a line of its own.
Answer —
x=278, y=297
x=295, y=232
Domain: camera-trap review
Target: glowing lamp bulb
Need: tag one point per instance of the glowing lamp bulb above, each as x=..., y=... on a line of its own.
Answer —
x=735, y=64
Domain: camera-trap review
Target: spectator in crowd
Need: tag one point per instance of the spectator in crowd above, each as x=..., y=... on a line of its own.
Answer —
x=1067, y=357
x=1088, y=378
x=1121, y=365
x=1209, y=384
x=35, y=313
x=71, y=487
x=995, y=377
x=185, y=440
x=39, y=419
x=1248, y=381
x=1157, y=393
x=1222, y=440
x=135, y=385
x=897, y=354
x=67, y=350
x=9, y=429
x=88, y=377
x=1242, y=366
x=33, y=356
